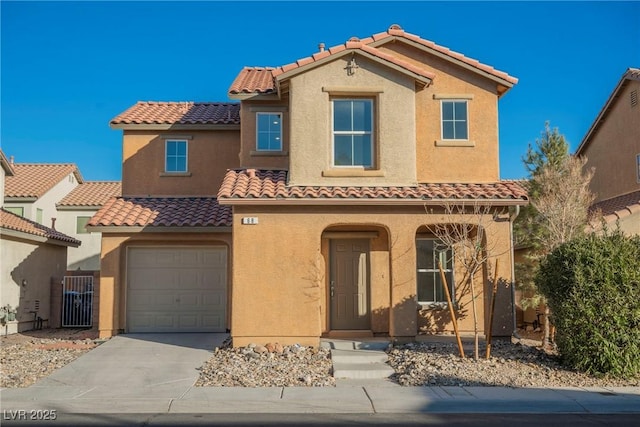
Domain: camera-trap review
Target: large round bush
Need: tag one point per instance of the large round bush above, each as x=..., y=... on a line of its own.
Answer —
x=592, y=285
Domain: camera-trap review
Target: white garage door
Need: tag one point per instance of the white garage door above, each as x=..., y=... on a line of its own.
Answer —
x=177, y=289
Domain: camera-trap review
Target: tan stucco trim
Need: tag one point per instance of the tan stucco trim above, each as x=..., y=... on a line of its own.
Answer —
x=352, y=172
x=350, y=90
x=255, y=96
x=452, y=96
x=175, y=174
x=175, y=137
x=267, y=153
x=172, y=126
x=269, y=109
x=370, y=202
x=350, y=234
x=454, y=143
x=134, y=229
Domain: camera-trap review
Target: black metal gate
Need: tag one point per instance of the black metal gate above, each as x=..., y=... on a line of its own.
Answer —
x=77, y=302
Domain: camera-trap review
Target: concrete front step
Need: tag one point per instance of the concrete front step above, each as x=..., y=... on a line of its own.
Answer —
x=358, y=356
x=354, y=345
x=362, y=370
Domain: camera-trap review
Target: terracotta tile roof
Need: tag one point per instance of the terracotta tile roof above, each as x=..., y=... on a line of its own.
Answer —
x=163, y=212
x=92, y=193
x=10, y=221
x=180, y=113
x=254, y=80
x=262, y=79
x=618, y=207
x=271, y=185
x=32, y=180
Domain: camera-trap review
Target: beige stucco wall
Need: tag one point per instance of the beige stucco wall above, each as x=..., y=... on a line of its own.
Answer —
x=479, y=163
x=249, y=156
x=281, y=267
x=38, y=264
x=613, y=148
x=47, y=202
x=311, y=122
x=86, y=257
x=210, y=154
x=113, y=291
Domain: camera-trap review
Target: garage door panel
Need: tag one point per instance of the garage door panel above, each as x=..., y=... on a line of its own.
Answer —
x=177, y=289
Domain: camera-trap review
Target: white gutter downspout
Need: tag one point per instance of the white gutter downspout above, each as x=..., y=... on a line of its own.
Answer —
x=512, y=218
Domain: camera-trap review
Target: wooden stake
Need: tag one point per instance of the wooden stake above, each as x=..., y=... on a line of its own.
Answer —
x=492, y=311
x=451, y=311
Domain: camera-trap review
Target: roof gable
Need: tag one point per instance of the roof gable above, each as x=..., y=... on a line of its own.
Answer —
x=6, y=164
x=33, y=180
x=264, y=80
x=629, y=75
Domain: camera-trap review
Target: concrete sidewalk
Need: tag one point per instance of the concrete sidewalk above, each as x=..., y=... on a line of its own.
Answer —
x=154, y=374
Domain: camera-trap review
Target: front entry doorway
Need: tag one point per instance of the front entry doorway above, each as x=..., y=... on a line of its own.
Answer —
x=349, y=284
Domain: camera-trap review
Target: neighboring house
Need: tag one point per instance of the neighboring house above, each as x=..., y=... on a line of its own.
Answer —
x=33, y=257
x=306, y=209
x=56, y=195
x=612, y=147
x=74, y=212
x=35, y=188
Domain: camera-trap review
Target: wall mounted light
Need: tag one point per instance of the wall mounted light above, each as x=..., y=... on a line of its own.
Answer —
x=24, y=283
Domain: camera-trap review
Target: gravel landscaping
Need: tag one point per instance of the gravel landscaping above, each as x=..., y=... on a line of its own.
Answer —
x=27, y=357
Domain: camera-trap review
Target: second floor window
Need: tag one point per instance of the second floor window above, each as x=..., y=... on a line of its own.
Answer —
x=353, y=132
x=81, y=224
x=269, y=132
x=176, y=156
x=454, y=119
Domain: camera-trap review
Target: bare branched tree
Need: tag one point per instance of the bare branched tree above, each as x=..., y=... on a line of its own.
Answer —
x=466, y=228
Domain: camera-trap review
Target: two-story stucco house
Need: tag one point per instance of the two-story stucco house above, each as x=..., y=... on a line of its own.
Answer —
x=612, y=148
x=33, y=255
x=305, y=209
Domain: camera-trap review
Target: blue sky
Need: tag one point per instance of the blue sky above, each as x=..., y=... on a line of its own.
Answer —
x=69, y=67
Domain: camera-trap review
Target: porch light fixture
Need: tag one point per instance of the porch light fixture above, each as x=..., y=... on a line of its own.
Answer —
x=352, y=66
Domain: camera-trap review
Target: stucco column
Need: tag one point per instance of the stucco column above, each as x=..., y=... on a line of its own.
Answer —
x=403, y=319
x=109, y=274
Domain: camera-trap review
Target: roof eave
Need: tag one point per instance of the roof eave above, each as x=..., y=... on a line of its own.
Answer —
x=156, y=229
x=173, y=126
x=38, y=239
x=369, y=202
x=254, y=96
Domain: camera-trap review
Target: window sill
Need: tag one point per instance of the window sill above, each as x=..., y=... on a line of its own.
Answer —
x=267, y=153
x=455, y=143
x=433, y=306
x=175, y=174
x=352, y=172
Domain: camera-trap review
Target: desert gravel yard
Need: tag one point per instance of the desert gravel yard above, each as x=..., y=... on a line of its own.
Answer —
x=27, y=357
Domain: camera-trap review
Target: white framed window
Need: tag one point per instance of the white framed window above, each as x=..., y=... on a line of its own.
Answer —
x=353, y=132
x=39, y=213
x=175, y=156
x=430, y=288
x=269, y=131
x=81, y=224
x=454, y=122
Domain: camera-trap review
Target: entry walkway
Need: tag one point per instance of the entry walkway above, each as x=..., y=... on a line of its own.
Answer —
x=155, y=374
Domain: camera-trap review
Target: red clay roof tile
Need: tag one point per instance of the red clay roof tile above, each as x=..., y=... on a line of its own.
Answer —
x=261, y=79
x=619, y=206
x=270, y=185
x=150, y=112
x=163, y=212
x=93, y=193
x=10, y=221
x=33, y=180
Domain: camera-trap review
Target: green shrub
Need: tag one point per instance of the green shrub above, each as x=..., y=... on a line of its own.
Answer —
x=592, y=285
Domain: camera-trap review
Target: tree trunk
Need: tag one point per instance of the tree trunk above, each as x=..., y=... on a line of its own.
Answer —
x=546, y=342
x=475, y=318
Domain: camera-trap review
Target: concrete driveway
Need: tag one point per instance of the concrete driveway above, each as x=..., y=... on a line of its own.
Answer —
x=163, y=364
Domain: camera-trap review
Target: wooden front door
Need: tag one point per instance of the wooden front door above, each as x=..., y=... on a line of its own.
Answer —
x=349, y=284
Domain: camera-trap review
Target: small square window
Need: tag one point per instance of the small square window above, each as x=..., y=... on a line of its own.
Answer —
x=81, y=224
x=269, y=131
x=39, y=215
x=454, y=120
x=15, y=210
x=175, y=156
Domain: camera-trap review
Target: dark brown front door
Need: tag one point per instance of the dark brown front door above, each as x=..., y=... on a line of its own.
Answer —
x=349, y=284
